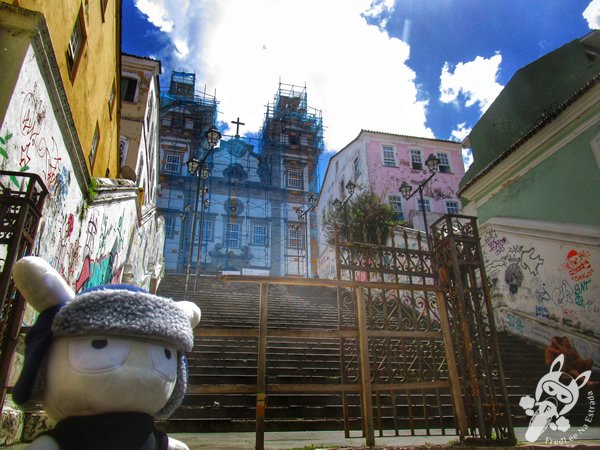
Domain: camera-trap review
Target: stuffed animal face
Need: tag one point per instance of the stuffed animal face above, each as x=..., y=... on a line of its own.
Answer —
x=89, y=375
x=113, y=348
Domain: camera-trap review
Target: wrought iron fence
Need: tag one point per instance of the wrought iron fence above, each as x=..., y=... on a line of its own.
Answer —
x=22, y=197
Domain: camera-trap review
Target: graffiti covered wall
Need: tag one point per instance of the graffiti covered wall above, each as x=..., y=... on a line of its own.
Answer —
x=87, y=244
x=544, y=283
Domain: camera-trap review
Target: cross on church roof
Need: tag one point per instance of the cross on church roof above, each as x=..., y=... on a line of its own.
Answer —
x=237, y=126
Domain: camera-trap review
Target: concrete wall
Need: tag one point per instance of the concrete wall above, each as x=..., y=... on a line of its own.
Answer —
x=86, y=244
x=545, y=280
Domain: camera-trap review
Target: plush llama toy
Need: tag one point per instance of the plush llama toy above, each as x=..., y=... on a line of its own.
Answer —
x=103, y=363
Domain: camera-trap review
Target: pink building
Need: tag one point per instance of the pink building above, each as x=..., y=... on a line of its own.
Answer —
x=381, y=162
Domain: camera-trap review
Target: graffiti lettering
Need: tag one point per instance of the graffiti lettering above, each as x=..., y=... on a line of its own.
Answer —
x=570, y=315
x=563, y=294
x=493, y=242
x=580, y=288
x=515, y=323
x=33, y=116
x=543, y=295
x=541, y=311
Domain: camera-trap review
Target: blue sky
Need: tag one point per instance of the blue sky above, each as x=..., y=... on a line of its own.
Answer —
x=425, y=68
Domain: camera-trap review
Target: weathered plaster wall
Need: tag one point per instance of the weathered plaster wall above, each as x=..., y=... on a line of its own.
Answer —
x=561, y=188
x=545, y=280
x=97, y=72
x=87, y=245
x=387, y=180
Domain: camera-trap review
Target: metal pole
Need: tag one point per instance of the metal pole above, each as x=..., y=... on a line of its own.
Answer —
x=306, y=243
x=424, y=215
x=261, y=394
x=191, y=251
x=200, y=237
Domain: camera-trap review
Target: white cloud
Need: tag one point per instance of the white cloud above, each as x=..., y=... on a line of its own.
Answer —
x=460, y=132
x=467, y=155
x=354, y=72
x=474, y=80
x=592, y=14
x=156, y=13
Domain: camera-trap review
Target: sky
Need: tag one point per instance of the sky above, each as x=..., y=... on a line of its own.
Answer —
x=425, y=68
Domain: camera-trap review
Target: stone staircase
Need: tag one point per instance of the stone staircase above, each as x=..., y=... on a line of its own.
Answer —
x=233, y=361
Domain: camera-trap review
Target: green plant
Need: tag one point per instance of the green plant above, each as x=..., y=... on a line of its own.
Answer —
x=365, y=218
x=92, y=192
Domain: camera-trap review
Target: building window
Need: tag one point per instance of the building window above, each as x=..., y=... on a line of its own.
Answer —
x=128, y=89
x=205, y=229
x=395, y=202
x=169, y=226
x=103, y=5
x=416, y=159
x=444, y=166
x=123, y=146
x=177, y=119
x=295, y=236
x=75, y=48
x=294, y=179
x=304, y=140
x=356, y=167
x=172, y=163
x=389, y=156
x=94, y=146
x=111, y=98
x=452, y=207
x=259, y=235
x=232, y=235
x=283, y=138
x=426, y=203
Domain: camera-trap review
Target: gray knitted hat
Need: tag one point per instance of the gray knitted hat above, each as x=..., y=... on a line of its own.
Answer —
x=124, y=310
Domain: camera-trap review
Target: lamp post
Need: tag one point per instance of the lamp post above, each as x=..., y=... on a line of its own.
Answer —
x=303, y=218
x=198, y=169
x=432, y=163
x=338, y=204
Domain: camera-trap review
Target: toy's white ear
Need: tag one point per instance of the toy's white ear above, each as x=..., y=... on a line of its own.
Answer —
x=191, y=310
x=583, y=378
x=40, y=284
x=558, y=361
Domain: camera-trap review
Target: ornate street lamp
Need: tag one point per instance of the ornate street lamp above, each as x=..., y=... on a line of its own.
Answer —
x=199, y=169
x=432, y=163
x=302, y=218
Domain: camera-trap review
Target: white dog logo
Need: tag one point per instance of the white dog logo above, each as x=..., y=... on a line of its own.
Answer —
x=553, y=399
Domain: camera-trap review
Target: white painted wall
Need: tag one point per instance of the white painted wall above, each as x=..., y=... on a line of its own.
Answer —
x=546, y=280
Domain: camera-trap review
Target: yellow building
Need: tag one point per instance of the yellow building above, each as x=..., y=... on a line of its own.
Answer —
x=86, y=38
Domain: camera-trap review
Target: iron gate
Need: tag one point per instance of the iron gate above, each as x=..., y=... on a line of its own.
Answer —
x=426, y=353
x=22, y=197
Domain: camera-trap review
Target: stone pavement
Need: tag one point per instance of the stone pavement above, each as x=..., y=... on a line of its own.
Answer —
x=313, y=440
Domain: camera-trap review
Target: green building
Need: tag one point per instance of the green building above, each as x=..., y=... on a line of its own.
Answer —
x=535, y=187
